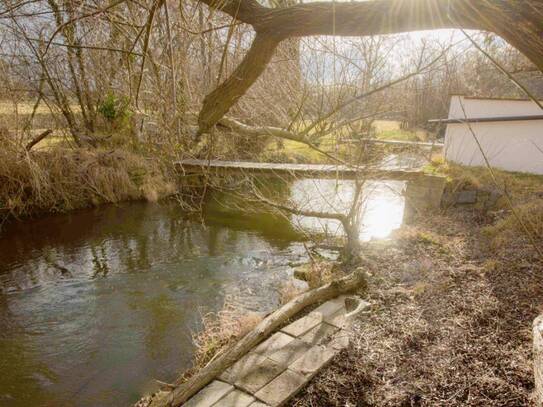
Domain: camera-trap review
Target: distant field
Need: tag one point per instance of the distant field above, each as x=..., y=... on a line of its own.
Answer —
x=390, y=130
x=22, y=108
x=386, y=125
x=16, y=116
x=12, y=116
x=384, y=130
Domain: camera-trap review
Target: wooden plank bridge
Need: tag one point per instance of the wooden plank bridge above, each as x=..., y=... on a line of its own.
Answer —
x=423, y=191
x=222, y=168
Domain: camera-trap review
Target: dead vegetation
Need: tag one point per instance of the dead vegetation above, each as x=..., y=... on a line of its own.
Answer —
x=63, y=179
x=451, y=324
x=219, y=332
x=521, y=186
x=506, y=233
x=454, y=300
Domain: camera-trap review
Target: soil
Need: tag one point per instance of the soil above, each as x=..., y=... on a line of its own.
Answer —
x=450, y=323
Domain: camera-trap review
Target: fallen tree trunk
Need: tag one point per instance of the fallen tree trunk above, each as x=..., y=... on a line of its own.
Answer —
x=538, y=360
x=270, y=324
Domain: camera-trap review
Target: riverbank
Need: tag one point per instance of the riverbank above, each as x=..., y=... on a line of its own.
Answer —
x=62, y=179
x=453, y=305
x=454, y=296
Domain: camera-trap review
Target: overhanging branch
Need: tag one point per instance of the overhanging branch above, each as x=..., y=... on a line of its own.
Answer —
x=518, y=23
x=246, y=11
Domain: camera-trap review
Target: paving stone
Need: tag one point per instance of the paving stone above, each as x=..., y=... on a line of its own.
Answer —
x=235, y=398
x=259, y=404
x=340, y=340
x=330, y=307
x=339, y=320
x=210, y=394
x=241, y=367
x=289, y=353
x=302, y=325
x=314, y=359
x=318, y=334
x=277, y=341
x=283, y=387
x=252, y=372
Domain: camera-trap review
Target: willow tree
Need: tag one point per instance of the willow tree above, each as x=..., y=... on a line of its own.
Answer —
x=519, y=22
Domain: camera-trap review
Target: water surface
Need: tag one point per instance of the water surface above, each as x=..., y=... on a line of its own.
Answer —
x=96, y=303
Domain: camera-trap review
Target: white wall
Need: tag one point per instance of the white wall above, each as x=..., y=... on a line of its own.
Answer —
x=511, y=146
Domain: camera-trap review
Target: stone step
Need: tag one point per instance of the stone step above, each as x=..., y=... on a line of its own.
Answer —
x=252, y=372
x=210, y=394
x=236, y=398
x=282, y=388
x=275, y=370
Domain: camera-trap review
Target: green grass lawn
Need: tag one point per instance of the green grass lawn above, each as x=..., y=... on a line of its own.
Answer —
x=331, y=143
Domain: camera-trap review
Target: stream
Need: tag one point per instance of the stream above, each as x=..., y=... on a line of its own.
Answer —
x=96, y=303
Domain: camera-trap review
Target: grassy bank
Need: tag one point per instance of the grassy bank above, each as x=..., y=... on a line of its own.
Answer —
x=450, y=325
x=292, y=151
x=453, y=299
x=58, y=180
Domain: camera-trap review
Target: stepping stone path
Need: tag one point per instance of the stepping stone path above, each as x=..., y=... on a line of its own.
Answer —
x=275, y=370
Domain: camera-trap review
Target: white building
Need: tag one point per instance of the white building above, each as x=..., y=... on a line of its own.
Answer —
x=510, y=132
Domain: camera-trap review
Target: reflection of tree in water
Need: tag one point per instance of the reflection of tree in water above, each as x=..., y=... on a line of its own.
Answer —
x=213, y=242
x=158, y=315
x=233, y=211
x=54, y=265
x=99, y=261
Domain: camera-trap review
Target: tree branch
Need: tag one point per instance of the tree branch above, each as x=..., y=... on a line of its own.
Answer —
x=517, y=24
x=219, y=102
x=246, y=11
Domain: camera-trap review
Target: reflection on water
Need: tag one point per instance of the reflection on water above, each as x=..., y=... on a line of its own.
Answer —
x=382, y=202
x=97, y=303
x=382, y=205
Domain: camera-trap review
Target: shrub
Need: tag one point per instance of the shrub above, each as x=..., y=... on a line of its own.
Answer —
x=115, y=110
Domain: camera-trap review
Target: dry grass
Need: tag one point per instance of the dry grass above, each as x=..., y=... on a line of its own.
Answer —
x=59, y=180
x=507, y=231
x=525, y=191
x=219, y=331
x=523, y=187
x=26, y=107
x=289, y=290
x=322, y=272
x=451, y=323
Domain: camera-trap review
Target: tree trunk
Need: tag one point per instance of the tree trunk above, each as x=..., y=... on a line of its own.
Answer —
x=218, y=102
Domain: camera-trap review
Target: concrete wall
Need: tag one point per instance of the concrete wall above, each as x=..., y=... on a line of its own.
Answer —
x=423, y=196
x=511, y=146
